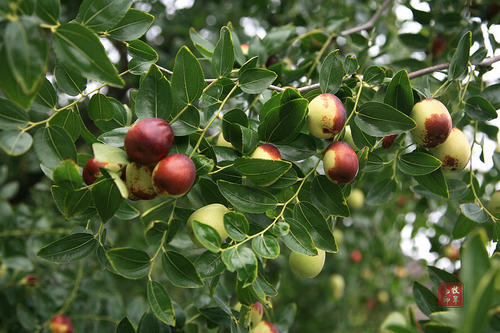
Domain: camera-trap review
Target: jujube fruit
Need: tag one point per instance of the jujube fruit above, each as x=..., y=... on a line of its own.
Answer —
x=211, y=215
x=306, y=266
x=61, y=324
x=149, y=140
x=91, y=170
x=340, y=163
x=326, y=116
x=139, y=181
x=433, y=122
x=266, y=152
x=174, y=175
x=264, y=327
x=454, y=153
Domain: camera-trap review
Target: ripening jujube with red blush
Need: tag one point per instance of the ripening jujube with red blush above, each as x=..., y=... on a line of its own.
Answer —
x=326, y=116
x=149, y=140
x=454, y=153
x=91, y=170
x=174, y=175
x=264, y=327
x=433, y=122
x=61, y=324
x=139, y=181
x=266, y=152
x=340, y=163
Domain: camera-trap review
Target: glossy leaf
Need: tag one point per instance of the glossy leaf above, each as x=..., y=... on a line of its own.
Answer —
x=426, y=301
x=15, y=142
x=128, y=262
x=328, y=197
x=68, y=249
x=479, y=108
x=125, y=326
x=260, y=171
x=180, y=271
x=474, y=212
x=331, y=73
x=460, y=59
x=52, y=145
x=382, y=192
x=70, y=82
x=312, y=219
x=132, y=26
x=242, y=260
x=246, y=198
x=188, y=79
x=379, y=119
x=107, y=198
x=435, y=183
x=100, y=108
x=223, y=57
x=48, y=10
x=78, y=49
x=418, y=163
x=299, y=239
x=160, y=303
x=100, y=15
x=236, y=225
x=154, y=99
x=256, y=80
x=207, y=236
x=399, y=93
x=266, y=246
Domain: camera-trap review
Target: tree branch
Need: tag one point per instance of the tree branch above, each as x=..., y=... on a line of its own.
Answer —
x=485, y=63
x=371, y=23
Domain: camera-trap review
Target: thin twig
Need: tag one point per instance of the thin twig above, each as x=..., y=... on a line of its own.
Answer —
x=427, y=70
x=371, y=23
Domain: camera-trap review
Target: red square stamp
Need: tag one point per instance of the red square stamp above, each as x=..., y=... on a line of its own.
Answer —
x=451, y=295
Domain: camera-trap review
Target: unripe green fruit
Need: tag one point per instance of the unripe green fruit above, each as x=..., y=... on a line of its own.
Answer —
x=222, y=142
x=264, y=327
x=212, y=215
x=383, y=296
x=326, y=116
x=494, y=204
x=394, y=318
x=139, y=181
x=433, y=122
x=454, y=153
x=356, y=199
x=307, y=266
x=266, y=152
x=337, y=284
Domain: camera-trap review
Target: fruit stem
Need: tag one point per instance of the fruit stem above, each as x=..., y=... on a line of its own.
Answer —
x=216, y=114
x=445, y=84
x=280, y=215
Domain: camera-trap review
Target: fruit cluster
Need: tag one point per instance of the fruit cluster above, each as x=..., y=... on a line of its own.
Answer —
x=151, y=171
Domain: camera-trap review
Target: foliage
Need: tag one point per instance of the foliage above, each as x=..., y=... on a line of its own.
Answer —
x=75, y=77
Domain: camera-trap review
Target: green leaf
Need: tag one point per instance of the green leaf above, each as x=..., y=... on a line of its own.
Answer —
x=328, y=197
x=475, y=261
x=460, y=59
x=107, y=198
x=440, y=276
x=132, y=26
x=492, y=94
x=479, y=108
x=100, y=108
x=128, y=262
x=312, y=219
x=15, y=142
x=331, y=73
x=204, y=46
x=256, y=80
x=223, y=57
x=27, y=53
x=148, y=324
x=107, y=153
x=266, y=246
x=143, y=56
x=207, y=236
x=426, y=301
x=209, y=264
x=48, y=10
x=435, y=183
x=127, y=212
x=260, y=171
x=299, y=239
x=351, y=64
x=100, y=15
x=474, y=212
x=10, y=87
x=415, y=41
x=180, y=271
x=379, y=119
x=283, y=123
x=239, y=57
x=382, y=192
x=52, y=145
x=374, y=75
x=79, y=50
x=418, y=163
x=70, y=82
x=246, y=198
x=68, y=119
x=46, y=98
x=154, y=99
x=125, y=326
x=68, y=249
x=188, y=80
x=11, y=116
x=399, y=93
x=160, y=303
x=67, y=173
x=203, y=164
x=236, y=225
x=71, y=203
x=242, y=260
